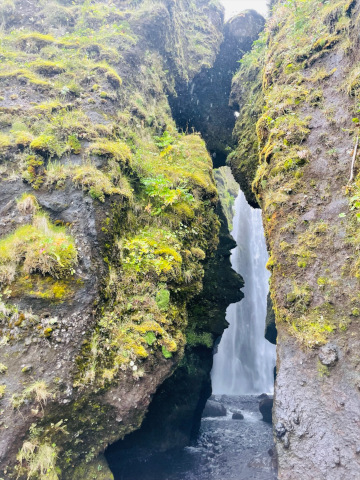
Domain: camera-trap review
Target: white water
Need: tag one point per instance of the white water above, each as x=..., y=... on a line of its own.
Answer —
x=244, y=363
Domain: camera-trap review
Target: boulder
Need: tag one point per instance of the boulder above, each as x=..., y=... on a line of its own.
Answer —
x=237, y=416
x=214, y=409
x=265, y=407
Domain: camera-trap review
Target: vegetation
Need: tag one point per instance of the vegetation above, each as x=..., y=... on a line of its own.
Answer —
x=39, y=459
x=75, y=116
x=37, y=247
x=281, y=85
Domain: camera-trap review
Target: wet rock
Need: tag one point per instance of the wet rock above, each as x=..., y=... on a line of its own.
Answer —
x=270, y=325
x=265, y=407
x=214, y=409
x=237, y=416
x=329, y=355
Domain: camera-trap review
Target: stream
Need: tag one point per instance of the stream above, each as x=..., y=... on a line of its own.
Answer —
x=225, y=449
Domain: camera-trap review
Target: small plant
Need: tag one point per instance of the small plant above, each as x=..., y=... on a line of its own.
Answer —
x=39, y=460
x=39, y=392
x=28, y=204
x=164, y=194
x=164, y=141
x=323, y=370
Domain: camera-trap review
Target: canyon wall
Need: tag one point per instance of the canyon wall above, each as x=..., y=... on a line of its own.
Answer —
x=297, y=157
x=109, y=221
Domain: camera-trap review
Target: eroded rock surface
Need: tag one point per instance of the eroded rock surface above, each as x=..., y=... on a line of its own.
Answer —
x=301, y=109
x=108, y=221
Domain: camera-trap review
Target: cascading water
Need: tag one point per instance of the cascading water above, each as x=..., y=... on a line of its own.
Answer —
x=245, y=360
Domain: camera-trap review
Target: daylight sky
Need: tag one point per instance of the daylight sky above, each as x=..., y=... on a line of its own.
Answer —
x=232, y=7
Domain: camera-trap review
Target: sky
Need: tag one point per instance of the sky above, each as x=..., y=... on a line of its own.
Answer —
x=232, y=7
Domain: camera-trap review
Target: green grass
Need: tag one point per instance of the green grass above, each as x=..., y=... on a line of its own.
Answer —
x=38, y=247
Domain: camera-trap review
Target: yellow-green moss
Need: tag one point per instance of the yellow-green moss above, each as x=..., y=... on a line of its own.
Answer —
x=39, y=247
x=119, y=151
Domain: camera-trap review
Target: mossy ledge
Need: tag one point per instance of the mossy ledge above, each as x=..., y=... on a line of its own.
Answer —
x=121, y=212
x=297, y=134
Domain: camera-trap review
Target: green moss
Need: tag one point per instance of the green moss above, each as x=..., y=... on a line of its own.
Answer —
x=163, y=299
x=47, y=146
x=39, y=247
x=110, y=74
x=2, y=391
x=47, y=68
x=74, y=144
x=199, y=339
x=119, y=151
x=23, y=139
x=47, y=332
x=97, y=183
x=23, y=75
x=45, y=287
x=166, y=352
x=5, y=142
x=38, y=39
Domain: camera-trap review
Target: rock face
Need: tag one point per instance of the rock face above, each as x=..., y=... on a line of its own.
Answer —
x=108, y=222
x=270, y=323
x=301, y=107
x=203, y=103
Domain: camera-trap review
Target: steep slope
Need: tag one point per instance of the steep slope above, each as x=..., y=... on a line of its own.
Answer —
x=302, y=110
x=108, y=218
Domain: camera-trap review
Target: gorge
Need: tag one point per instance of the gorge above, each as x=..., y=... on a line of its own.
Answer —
x=115, y=272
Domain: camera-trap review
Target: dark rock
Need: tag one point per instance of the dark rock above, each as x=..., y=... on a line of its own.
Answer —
x=237, y=416
x=214, y=409
x=328, y=355
x=263, y=395
x=203, y=103
x=265, y=407
x=270, y=325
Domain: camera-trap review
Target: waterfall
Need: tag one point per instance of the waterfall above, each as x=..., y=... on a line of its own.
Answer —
x=245, y=360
